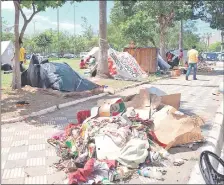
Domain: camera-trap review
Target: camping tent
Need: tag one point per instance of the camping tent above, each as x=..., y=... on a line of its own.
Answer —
x=7, y=52
x=58, y=76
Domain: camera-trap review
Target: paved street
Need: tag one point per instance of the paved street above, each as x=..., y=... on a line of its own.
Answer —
x=27, y=158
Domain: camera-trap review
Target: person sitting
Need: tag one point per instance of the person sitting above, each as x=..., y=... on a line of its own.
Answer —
x=87, y=60
x=82, y=64
x=92, y=61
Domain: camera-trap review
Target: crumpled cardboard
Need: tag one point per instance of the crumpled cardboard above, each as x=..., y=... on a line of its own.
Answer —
x=156, y=97
x=174, y=128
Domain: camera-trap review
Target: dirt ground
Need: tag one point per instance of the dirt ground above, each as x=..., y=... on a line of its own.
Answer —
x=37, y=100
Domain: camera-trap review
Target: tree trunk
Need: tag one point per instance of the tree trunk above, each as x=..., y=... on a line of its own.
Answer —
x=162, y=42
x=23, y=29
x=16, y=83
x=102, y=70
x=181, y=35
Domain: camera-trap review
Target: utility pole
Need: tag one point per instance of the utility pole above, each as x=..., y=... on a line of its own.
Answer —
x=181, y=35
x=58, y=29
x=1, y=34
x=74, y=31
x=222, y=44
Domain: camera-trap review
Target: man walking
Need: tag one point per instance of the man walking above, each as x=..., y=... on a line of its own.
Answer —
x=192, y=56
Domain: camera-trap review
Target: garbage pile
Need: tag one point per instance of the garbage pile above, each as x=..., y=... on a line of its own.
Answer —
x=118, y=138
x=204, y=67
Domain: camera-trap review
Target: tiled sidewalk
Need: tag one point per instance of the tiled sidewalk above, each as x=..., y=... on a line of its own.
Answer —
x=27, y=158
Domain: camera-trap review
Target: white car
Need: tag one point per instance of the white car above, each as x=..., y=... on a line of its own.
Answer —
x=83, y=54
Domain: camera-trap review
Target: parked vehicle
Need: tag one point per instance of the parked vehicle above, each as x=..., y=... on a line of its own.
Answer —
x=69, y=55
x=28, y=56
x=83, y=54
x=211, y=57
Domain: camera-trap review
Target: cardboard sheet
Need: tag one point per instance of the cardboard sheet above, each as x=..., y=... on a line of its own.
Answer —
x=142, y=100
x=174, y=128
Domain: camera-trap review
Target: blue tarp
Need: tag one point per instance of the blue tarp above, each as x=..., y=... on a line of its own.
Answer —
x=163, y=65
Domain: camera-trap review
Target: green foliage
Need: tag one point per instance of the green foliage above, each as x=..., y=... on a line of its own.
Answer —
x=115, y=37
x=215, y=47
x=140, y=29
x=213, y=13
x=5, y=36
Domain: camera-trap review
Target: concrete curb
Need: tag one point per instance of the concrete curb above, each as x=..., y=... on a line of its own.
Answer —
x=63, y=105
x=214, y=144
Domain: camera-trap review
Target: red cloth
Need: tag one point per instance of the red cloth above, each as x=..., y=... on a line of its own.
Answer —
x=82, y=65
x=69, y=127
x=81, y=175
x=87, y=60
x=82, y=115
x=156, y=139
x=169, y=57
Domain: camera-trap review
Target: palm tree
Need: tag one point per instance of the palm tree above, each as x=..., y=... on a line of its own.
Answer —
x=16, y=82
x=102, y=70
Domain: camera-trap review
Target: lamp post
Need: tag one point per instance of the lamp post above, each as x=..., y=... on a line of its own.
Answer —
x=222, y=44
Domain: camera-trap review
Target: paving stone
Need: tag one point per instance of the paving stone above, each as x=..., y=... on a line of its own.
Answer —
x=57, y=178
x=13, y=173
x=52, y=160
x=21, y=163
x=37, y=141
x=37, y=147
x=40, y=161
x=33, y=171
x=18, y=149
x=13, y=181
x=36, y=180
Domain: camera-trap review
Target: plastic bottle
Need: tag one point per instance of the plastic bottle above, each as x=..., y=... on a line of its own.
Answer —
x=151, y=173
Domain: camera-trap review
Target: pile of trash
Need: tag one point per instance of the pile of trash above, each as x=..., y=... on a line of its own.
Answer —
x=204, y=66
x=118, y=138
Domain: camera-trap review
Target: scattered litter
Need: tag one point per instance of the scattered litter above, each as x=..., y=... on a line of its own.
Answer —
x=178, y=162
x=22, y=103
x=153, y=172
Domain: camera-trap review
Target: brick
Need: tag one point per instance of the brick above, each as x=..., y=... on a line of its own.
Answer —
x=36, y=180
x=33, y=171
x=13, y=173
x=17, y=156
x=20, y=143
x=37, y=147
x=15, y=164
x=36, y=162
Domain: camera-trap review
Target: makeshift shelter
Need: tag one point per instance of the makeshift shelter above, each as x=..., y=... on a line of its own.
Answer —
x=121, y=65
x=58, y=76
x=7, y=52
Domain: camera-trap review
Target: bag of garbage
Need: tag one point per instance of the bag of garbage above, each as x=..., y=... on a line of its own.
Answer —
x=134, y=153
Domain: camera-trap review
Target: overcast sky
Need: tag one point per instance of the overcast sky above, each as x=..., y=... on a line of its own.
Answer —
x=48, y=19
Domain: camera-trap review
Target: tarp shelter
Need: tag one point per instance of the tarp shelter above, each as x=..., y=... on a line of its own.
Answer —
x=58, y=76
x=121, y=65
x=7, y=52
